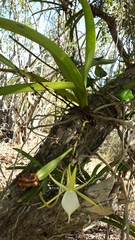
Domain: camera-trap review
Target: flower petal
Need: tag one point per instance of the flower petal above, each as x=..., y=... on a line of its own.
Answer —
x=70, y=202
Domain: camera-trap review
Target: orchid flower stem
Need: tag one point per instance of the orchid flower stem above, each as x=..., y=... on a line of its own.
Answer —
x=77, y=141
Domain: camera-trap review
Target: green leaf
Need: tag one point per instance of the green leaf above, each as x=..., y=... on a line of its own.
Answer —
x=102, y=61
x=74, y=18
x=124, y=166
x=67, y=95
x=32, y=159
x=100, y=72
x=72, y=21
x=125, y=95
x=90, y=38
x=26, y=168
x=39, y=86
x=129, y=85
x=95, y=170
x=117, y=221
x=30, y=194
x=90, y=81
x=67, y=67
x=60, y=87
x=49, y=167
x=112, y=222
x=31, y=87
x=7, y=62
x=100, y=174
x=133, y=9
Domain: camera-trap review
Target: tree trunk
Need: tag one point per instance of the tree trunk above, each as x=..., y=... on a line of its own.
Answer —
x=20, y=221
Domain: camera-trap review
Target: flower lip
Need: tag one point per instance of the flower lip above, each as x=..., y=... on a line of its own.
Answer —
x=70, y=202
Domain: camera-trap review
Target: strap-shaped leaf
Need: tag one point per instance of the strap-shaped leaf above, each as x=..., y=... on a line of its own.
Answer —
x=19, y=88
x=66, y=65
x=28, y=156
x=90, y=38
x=49, y=167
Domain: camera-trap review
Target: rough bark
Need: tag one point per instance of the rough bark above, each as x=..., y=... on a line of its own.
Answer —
x=25, y=221
x=22, y=221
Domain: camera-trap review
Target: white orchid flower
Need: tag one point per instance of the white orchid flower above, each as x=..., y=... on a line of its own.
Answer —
x=70, y=201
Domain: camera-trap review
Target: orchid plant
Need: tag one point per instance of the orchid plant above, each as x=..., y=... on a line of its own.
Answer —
x=74, y=83
x=72, y=87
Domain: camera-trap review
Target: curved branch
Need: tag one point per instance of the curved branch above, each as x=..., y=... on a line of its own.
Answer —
x=113, y=30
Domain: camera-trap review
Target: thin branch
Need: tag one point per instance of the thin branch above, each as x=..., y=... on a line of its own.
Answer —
x=33, y=54
x=111, y=22
x=120, y=121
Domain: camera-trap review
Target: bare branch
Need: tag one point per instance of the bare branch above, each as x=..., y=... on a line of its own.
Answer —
x=111, y=21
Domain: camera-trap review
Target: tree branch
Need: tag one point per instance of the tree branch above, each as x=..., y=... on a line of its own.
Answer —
x=111, y=22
